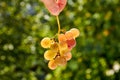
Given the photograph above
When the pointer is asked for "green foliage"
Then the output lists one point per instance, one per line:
(23, 23)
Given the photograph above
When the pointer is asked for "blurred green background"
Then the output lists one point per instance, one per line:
(23, 23)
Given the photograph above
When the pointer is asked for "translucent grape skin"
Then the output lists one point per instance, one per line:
(75, 32)
(52, 65)
(69, 35)
(61, 38)
(46, 42)
(50, 54)
(60, 60)
(71, 43)
(68, 56)
(54, 46)
(63, 46)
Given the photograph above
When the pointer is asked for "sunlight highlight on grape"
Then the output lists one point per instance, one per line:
(46, 42)
(62, 37)
(68, 56)
(60, 60)
(52, 65)
(49, 54)
(75, 32)
(69, 35)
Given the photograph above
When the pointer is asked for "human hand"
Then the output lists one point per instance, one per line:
(55, 6)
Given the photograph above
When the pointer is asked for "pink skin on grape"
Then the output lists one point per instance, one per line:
(54, 7)
(71, 43)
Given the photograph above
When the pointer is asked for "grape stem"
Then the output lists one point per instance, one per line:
(58, 22)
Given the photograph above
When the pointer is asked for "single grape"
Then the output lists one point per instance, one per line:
(46, 42)
(54, 46)
(68, 56)
(75, 32)
(52, 65)
(71, 43)
(62, 52)
(50, 54)
(60, 60)
(61, 38)
(63, 46)
(69, 35)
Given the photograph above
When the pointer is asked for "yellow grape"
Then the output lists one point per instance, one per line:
(54, 46)
(69, 35)
(68, 56)
(75, 32)
(50, 54)
(63, 46)
(61, 38)
(62, 52)
(52, 65)
(46, 42)
(60, 60)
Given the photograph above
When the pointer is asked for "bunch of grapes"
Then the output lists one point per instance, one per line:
(59, 51)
